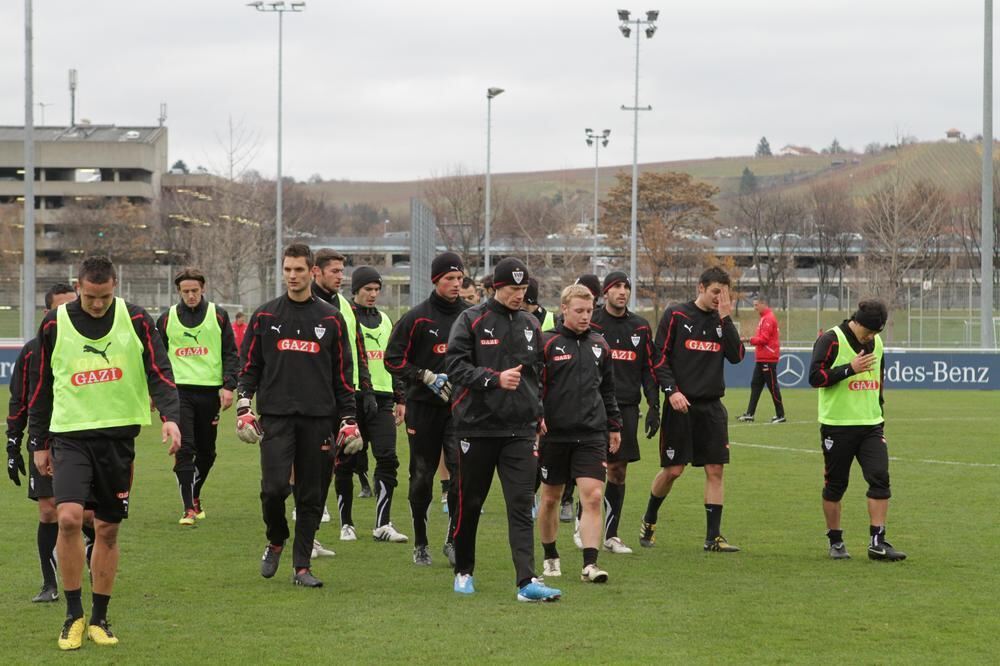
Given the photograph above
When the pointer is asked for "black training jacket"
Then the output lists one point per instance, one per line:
(633, 353)
(419, 341)
(20, 393)
(485, 340)
(578, 386)
(296, 358)
(692, 344)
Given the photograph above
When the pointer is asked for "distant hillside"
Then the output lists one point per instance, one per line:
(955, 166)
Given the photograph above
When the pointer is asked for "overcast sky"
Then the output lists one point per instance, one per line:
(380, 90)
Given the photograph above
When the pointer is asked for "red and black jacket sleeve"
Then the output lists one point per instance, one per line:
(159, 374)
(666, 336)
(611, 408)
(251, 356)
(20, 390)
(822, 372)
(343, 368)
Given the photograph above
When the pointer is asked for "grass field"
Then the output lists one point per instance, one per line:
(194, 595)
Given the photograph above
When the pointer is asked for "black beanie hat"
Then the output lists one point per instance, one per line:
(531, 296)
(614, 277)
(872, 314)
(590, 281)
(445, 263)
(510, 271)
(363, 275)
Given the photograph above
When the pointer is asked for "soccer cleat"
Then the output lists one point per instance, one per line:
(566, 514)
(647, 535)
(319, 551)
(885, 552)
(49, 592)
(838, 551)
(777, 419)
(591, 574)
(550, 567)
(269, 561)
(188, 518)
(366, 491)
(422, 556)
(463, 584)
(449, 552)
(616, 546)
(71, 636)
(324, 519)
(745, 418)
(305, 578)
(536, 590)
(577, 539)
(720, 545)
(388, 533)
(199, 510)
(347, 533)
(101, 634)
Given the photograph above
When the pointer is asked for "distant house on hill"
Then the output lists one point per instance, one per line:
(953, 135)
(796, 151)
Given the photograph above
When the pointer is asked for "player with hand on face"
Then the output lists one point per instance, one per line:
(582, 425)
(693, 341)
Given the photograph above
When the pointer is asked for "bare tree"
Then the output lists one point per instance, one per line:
(833, 216)
(967, 224)
(772, 222)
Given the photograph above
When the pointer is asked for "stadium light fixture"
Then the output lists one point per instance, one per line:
(596, 140)
(490, 94)
(278, 8)
(626, 29)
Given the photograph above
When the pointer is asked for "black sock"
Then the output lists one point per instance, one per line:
(713, 521)
(344, 488)
(877, 533)
(48, 533)
(74, 603)
(521, 583)
(88, 541)
(835, 536)
(383, 503)
(445, 486)
(589, 556)
(363, 479)
(419, 512)
(551, 552)
(185, 481)
(199, 480)
(99, 611)
(614, 498)
(653, 508)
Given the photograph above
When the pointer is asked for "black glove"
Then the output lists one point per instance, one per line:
(15, 461)
(652, 421)
(369, 406)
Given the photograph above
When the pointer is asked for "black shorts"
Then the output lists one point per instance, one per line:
(39, 485)
(629, 450)
(95, 473)
(561, 461)
(840, 446)
(699, 438)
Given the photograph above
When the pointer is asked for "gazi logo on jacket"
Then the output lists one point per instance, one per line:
(191, 351)
(291, 344)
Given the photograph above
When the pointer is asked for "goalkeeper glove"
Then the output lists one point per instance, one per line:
(247, 427)
(349, 439)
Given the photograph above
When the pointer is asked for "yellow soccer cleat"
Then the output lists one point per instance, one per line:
(71, 636)
(199, 509)
(187, 518)
(101, 634)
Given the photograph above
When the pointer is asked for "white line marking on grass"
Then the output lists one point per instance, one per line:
(936, 418)
(896, 458)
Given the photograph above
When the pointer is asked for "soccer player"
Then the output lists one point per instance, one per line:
(239, 329)
(379, 433)
(39, 485)
(416, 355)
(99, 362)
(633, 356)
(847, 369)
(767, 344)
(468, 291)
(203, 354)
(494, 360)
(546, 319)
(328, 276)
(692, 341)
(488, 290)
(582, 424)
(297, 360)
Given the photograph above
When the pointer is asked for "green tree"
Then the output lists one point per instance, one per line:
(763, 148)
(181, 166)
(748, 181)
(835, 147)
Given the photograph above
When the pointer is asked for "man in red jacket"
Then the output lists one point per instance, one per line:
(767, 345)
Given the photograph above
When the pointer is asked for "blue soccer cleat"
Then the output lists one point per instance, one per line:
(536, 590)
(463, 584)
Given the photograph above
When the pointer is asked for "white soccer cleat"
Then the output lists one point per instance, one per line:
(551, 568)
(591, 574)
(577, 539)
(388, 533)
(347, 533)
(326, 515)
(319, 551)
(616, 546)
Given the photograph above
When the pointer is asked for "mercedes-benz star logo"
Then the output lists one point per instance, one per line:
(791, 370)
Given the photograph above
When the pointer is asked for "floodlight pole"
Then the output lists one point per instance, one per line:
(28, 254)
(597, 140)
(626, 23)
(986, 220)
(490, 94)
(279, 8)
